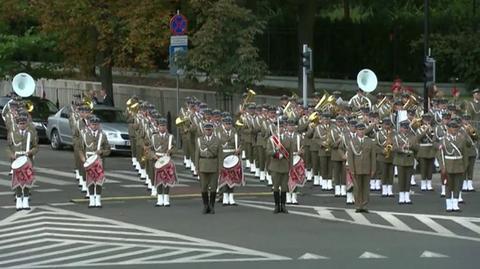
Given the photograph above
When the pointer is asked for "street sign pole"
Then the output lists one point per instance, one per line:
(304, 84)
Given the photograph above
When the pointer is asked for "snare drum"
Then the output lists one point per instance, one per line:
(296, 175)
(23, 175)
(94, 170)
(231, 173)
(165, 172)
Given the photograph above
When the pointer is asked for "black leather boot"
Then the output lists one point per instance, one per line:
(283, 199)
(213, 195)
(206, 207)
(276, 198)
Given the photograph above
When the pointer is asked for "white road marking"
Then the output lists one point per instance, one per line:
(371, 255)
(468, 224)
(28, 250)
(434, 225)
(357, 217)
(429, 254)
(310, 256)
(396, 222)
(47, 190)
(45, 223)
(428, 220)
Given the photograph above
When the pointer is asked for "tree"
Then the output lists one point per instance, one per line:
(103, 33)
(22, 47)
(223, 45)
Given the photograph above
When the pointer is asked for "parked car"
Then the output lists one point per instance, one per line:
(43, 108)
(113, 124)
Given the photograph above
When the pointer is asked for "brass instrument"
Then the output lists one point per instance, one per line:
(411, 102)
(416, 123)
(29, 106)
(181, 120)
(471, 131)
(250, 95)
(387, 150)
(326, 99)
(314, 118)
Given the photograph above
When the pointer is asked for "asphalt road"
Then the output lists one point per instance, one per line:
(129, 232)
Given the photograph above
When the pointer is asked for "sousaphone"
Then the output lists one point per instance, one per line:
(367, 80)
(23, 85)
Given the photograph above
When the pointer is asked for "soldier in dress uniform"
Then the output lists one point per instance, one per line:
(384, 139)
(297, 149)
(339, 156)
(373, 127)
(440, 131)
(324, 152)
(208, 160)
(404, 146)
(94, 141)
(229, 141)
(22, 142)
(78, 126)
(470, 132)
(303, 124)
(452, 148)
(313, 134)
(162, 144)
(279, 150)
(473, 108)
(426, 151)
(361, 161)
(359, 101)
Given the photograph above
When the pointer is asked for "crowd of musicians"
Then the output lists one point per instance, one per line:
(345, 147)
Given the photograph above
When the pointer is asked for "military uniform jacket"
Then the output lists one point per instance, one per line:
(381, 141)
(451, 154)
(207, 154)
(471, 150)
(440, 132)
(159, 145)
(425, 141)
(227, 140)
(338, 145)
(17, 142)
(314, 138)
(94, 141)
(473, 109)
(324, 141)
(404, 147)
(361, 155)
(357, 102)
(280, 165)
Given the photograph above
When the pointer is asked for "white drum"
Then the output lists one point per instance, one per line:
(162, 161)
(19, 162)
(296, 159)
(230, 161)
(90, 160)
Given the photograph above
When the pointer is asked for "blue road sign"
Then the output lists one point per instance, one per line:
(178, 24)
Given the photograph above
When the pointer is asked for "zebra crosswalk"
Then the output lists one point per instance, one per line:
(48, 237)
(467, 228)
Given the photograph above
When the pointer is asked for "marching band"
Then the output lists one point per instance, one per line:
(347, 148)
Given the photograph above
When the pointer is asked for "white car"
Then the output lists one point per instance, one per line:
(113, 124)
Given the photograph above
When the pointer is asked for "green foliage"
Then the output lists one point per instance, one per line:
(223, 45)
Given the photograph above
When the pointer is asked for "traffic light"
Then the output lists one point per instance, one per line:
(429, 69)
(307, 60)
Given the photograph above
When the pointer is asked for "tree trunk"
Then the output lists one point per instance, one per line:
(106, 77)
(306, 23)
(346, 10)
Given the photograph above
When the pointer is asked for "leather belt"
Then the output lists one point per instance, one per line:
(20, 152)
(161, 154)
(426, 144)
(228, 150)
(453, 157)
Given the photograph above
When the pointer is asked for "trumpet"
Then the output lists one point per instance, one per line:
(471, 131)
(387, 151)
(416, 122)
(250, 95)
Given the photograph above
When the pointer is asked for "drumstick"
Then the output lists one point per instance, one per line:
(170, 137)
(298, 143)
(236, 141)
